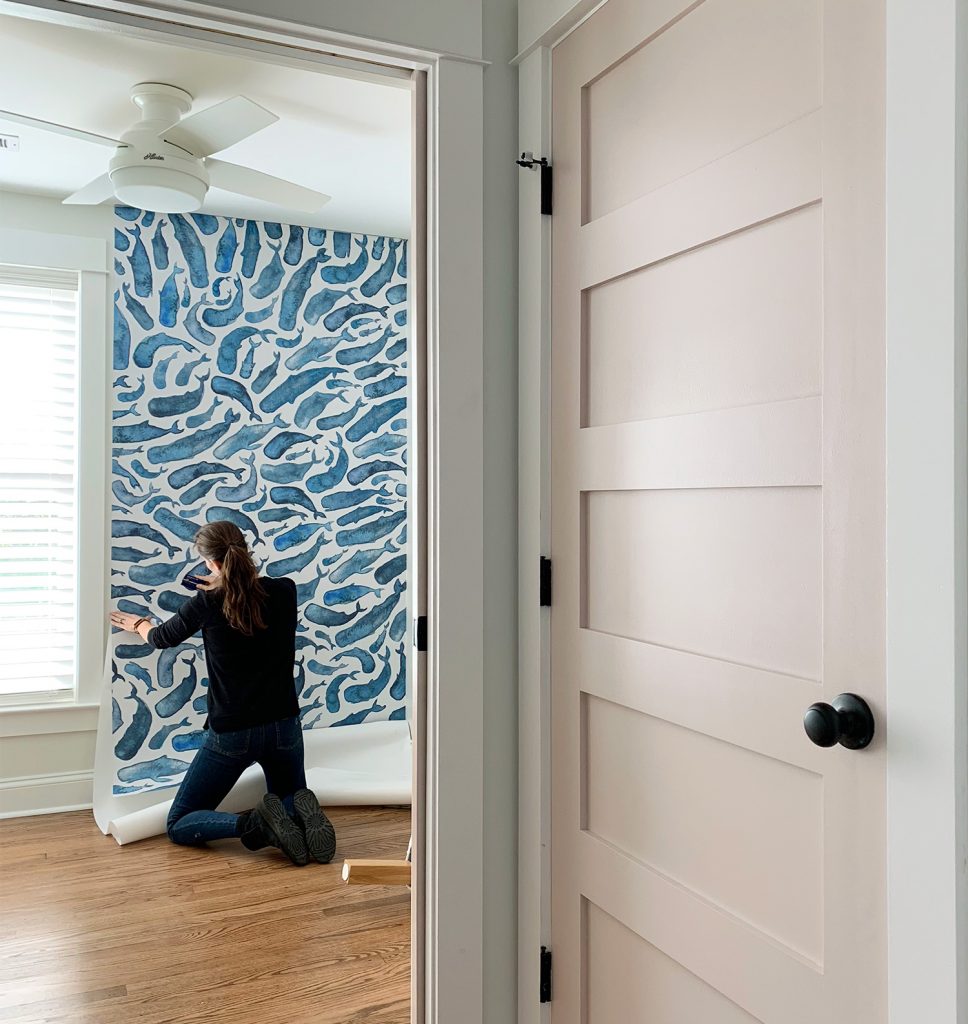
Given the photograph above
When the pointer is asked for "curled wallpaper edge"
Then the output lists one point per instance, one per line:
(103, 751)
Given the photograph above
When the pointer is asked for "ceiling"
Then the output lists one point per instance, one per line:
(345, 136)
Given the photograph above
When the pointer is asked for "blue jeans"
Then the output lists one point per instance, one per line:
(277, 747)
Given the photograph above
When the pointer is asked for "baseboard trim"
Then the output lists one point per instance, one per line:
(46, 794)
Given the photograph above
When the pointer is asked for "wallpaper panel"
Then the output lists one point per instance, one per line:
(260, 375)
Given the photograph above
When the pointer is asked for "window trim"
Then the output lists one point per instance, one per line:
(47, 719)
(87, 256)
(62, 281)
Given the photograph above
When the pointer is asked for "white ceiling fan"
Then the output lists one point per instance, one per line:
(164, 162)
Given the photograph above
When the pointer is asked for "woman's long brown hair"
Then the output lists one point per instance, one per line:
(243, 595)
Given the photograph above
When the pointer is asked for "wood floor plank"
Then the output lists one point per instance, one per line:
(94, 933)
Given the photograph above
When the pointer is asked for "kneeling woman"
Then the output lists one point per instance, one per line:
(248, 626)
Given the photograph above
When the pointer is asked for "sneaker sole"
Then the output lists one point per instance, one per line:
(318, 829)
(287, 832)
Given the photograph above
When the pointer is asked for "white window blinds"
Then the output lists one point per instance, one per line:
(38, 504)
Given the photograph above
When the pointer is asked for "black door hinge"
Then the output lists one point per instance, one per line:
(420, 633)
(528, 161)
(544, 990)
(544, 582)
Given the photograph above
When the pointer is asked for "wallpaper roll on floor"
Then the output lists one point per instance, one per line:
(260, 376)
(370, 764)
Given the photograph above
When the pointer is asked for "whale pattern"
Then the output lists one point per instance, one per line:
(271, 393)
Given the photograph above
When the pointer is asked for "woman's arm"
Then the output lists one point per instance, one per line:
(187, 621)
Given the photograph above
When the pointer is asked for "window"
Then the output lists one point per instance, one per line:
(38, 493)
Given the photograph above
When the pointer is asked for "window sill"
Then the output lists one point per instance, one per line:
(42, 719)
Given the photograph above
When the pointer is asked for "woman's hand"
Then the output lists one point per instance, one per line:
(132, 623)
(206, 581)
(125, 621)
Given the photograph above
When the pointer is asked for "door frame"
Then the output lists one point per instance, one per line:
(927, 512)
(447, 893)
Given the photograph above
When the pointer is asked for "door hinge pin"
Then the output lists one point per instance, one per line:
(544, 993)
(528, 162)
(544, 582)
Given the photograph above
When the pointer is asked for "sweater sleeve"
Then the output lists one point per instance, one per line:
(293, 609)
(187, 621)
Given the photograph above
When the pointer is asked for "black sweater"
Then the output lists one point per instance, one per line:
(250, 678)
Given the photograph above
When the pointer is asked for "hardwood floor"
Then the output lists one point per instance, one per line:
(95, 933)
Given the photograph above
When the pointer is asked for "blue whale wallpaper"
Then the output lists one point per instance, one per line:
(259, 375)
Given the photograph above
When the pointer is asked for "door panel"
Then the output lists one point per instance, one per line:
(622, 972)
(710, 203)
(704, 78)
(735, 322)
(717, 512)
(655, 791)
(728, 572)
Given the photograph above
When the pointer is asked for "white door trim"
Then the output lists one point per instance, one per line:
(534, 539)
(927, 538)
(927, 523)
(452, 911)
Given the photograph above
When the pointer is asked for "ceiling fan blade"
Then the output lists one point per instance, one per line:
(220, 126)
(93, 193)
(257, 185)
(59, 129)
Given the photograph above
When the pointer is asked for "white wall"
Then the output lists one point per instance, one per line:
(38, 213)
(47, 756)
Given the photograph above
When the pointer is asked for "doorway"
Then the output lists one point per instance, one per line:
(414, 486)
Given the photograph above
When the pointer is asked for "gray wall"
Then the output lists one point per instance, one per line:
(446, 26)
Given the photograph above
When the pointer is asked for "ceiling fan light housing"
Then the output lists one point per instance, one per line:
(158, 181)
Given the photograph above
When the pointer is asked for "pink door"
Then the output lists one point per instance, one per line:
(717, 513)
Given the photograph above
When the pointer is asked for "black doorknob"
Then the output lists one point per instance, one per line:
(847, 720)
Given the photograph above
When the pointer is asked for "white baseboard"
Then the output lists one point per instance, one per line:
(46, 794)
